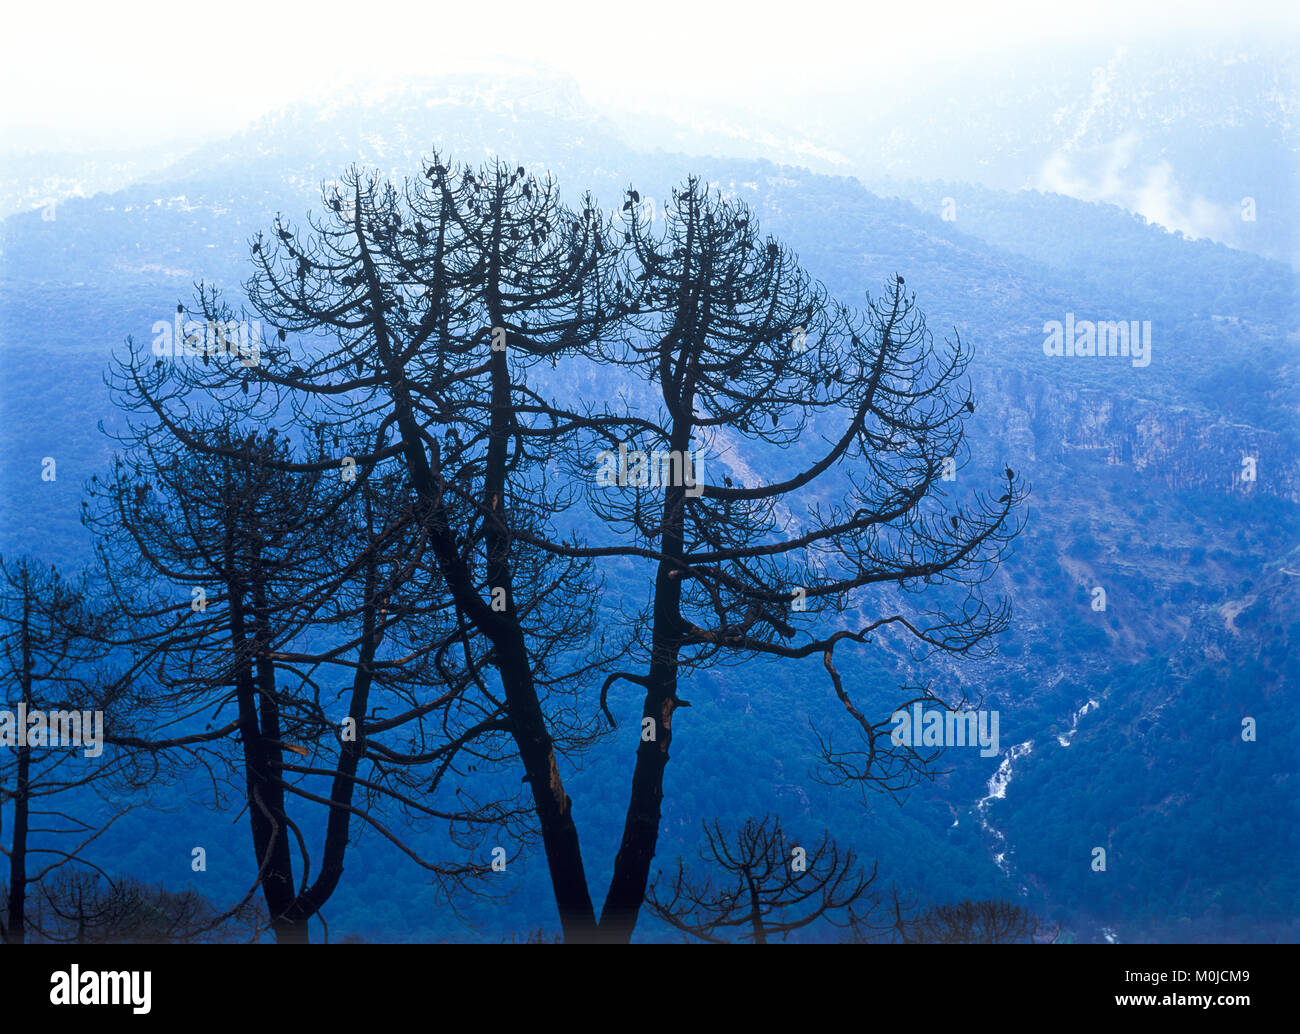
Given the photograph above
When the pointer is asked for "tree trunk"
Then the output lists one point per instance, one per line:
(528, 725)
(627, 888)
(16, 924)
(265, 800)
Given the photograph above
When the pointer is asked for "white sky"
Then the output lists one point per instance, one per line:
(136, 72)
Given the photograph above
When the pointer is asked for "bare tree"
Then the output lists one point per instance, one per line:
(61, 701)
(83, 907)
(752, 363)
(767, 885)
(417, 315)
(885, 921)
(975, 922)
(409, 322)
(902, 921)
(263, 600)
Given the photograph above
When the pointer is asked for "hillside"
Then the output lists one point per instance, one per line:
(1137, 481)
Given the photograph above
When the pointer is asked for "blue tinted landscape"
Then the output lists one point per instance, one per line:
(1145, 544)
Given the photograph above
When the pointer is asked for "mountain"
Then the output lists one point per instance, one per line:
(1138, 475)
(1182, 135)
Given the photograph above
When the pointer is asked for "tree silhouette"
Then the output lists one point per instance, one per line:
(975, 922)
(56, 665)
(889, 921)
(256, 595)
(768, 886)
(427, 332)
(902, 921)
(417, 316)
(83, 907)
(749, 357)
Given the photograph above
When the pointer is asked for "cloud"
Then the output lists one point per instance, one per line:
(1113, 173)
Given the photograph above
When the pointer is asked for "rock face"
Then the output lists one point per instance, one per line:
(1047, 420)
